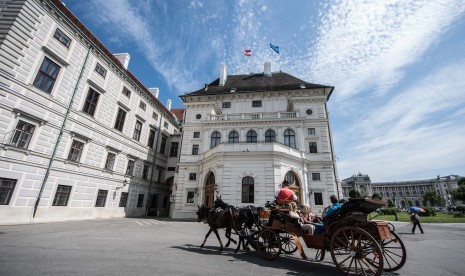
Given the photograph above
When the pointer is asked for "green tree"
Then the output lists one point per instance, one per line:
(461, 181)
(459, 193)
(390, 203)
(354, 194)
(376, 196)
(433, 198)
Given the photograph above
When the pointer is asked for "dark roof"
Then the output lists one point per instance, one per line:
(178, 112)
(255, 83)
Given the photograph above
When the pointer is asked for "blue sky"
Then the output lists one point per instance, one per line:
(398, 67)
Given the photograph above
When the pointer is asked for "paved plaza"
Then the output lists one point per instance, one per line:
(153, 246)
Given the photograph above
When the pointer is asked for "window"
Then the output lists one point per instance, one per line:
(174, 149)
(215, 139)
(109, 164)
(195, 149)
(64, 39)
(100, 70)
(171, 169)
(251, 136)
(142, 105)
(154, 203)
(22, 134)
(290, 177)
(311, 131)
(165, 125)
(256, 103)
(75, 151)
(270, 136)
(190, 197)
(226, 104)
(101, 198)
(120, 117)
(247, 189)
(312, 146)
(233, 137)
(318, 198)
(289, 138)
(145, 172)
(7, 187)
(62, 195)
(163, 145)
(315, 176)
(192, 176)
(198, 116)
(151, 138)
(309, 112)
(47, 75)
(155, 116)
(130, 167)
(123, 200)
(196, 134)
(140, 200)
(126, 92)
(137, 130)
(91, 102)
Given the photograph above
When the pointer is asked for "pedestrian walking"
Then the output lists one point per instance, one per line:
(415, 218)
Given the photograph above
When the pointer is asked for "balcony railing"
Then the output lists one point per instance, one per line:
(253, 116)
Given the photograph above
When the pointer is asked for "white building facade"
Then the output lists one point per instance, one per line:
(243, 134)
(80, 136)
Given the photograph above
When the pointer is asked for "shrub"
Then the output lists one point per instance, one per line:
(458, 215)
(430, 212)
(460, 209)
(387, 211)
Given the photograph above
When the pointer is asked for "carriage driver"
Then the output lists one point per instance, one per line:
(285, 193)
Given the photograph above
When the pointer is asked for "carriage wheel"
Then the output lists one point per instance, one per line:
(355, 252)
(394, 253)
(391, 227)
(287, 243)
(268, 244)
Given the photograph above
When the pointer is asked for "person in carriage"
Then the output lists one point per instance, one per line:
(306, 228)
(285, 194)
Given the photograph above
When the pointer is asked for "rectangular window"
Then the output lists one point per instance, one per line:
(120, 117)
(126, 92)
(22, 134)
(163, 145)
(226, 104)
(312, 146)
(192, 176)
(311, 131)
(171, 169)
(75, 151)
(196, 134)
(195, 149)
(111, 157)
(142, 105)
(91, 102)
(123, 200)
(64, 39)
(137, 130)
(190, 197)
(318, 198)
(47, 75)
(62, 195)
(174, 149)
(155, 116)
(140, 200)
(315, 176)
(151, 138)
(100, 70)
(165, 202)
(256, 103)
(130, 167)
(7, 187)
(145, 172)
(165, 125)
(101, 198)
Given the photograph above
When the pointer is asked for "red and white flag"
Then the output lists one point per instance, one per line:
(248, 53)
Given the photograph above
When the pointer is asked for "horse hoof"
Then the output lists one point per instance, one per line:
(201, 246)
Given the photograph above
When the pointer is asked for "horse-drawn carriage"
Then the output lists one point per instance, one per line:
(358, 246)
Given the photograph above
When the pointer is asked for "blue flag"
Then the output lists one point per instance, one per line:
(274, 47)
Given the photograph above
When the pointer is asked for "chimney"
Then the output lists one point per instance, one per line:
(123, 58)
(267, 71)
(155, 91)
(168, 104)
(223, 75)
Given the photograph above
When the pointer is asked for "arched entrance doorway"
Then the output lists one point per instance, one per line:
(209, 190)
(295, 186)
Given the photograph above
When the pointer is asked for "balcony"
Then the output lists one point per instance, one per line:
(253, 116)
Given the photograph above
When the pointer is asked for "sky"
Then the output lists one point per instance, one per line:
(398, 67)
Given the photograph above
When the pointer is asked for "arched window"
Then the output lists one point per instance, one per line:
(289, 138)
(247, 189)
(251, 136)
(270, 136)
(289, 177)
(215, 139)
(233, 137)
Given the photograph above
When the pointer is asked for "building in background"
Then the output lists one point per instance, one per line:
(80, 136)
(242, 135)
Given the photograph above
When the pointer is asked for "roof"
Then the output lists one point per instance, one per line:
(255, 83)
(178, 112)
(58, 4)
